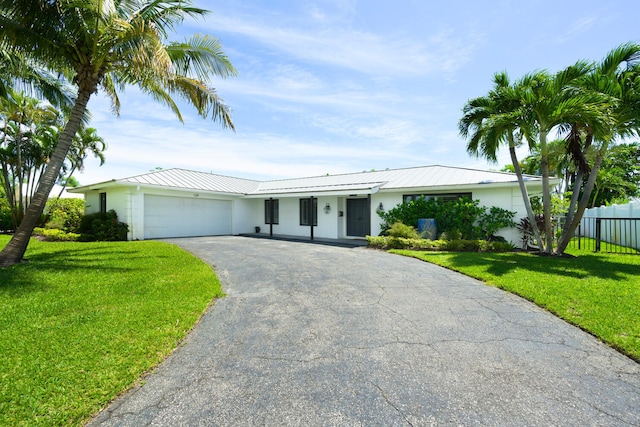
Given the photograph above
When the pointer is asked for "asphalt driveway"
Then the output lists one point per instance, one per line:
(313, 335)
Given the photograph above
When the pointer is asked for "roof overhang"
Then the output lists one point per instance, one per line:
(329, 190)
(139, 186)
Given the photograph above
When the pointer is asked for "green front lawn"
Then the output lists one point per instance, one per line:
(599, 293)
(81, 322)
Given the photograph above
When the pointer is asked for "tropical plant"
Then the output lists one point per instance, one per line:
(493, 120)
(495, 220)
(85, 141)
(463, 217)
(590, 104)
(616, 80)
(20, 74)
(556, 100)
(25, 147)
(107, 45)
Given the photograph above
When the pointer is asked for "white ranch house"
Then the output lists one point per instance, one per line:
(184, 203)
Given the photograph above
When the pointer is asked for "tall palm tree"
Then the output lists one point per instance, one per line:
(106, 45)
(20, 152)
(617, 80)
(86, 140)
(553, 101)
(495, 119)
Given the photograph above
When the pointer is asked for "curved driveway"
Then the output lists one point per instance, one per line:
(313, 335)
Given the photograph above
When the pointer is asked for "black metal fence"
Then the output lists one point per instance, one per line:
(615, 235)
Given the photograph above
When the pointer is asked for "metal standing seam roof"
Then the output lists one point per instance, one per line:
(182, 178)
(416, 177)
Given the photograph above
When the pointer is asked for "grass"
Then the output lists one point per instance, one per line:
(599, 293)
(81, 322)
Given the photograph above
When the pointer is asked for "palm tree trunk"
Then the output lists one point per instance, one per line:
(546, 192)
(17, 246)
(525, 194)
(582, 206)
(571, 212)
(64, 185)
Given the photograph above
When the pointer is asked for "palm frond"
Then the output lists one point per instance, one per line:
(200, 57)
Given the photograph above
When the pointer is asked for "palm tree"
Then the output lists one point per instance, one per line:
(21, 153)
(617, 80)
(556, 100)
(108, 44)
(492, 120)
(19, 74)
(86, 140)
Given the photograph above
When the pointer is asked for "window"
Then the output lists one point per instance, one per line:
(271, 211)
(304, 211)
(103, 203)
(446, 197)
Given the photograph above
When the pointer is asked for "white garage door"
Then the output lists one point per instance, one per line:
(184, 217)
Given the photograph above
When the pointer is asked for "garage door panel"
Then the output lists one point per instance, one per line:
(183, 217)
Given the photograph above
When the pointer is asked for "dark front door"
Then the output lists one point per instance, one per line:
(357, 217)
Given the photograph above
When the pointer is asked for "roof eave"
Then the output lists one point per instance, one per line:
(139, 186)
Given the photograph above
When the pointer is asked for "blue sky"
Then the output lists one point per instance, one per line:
(335, 86)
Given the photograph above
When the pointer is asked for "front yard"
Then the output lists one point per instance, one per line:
(81, 322)
(597, 292)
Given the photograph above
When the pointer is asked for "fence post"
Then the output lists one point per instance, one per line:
(579, 234)
(598, 233)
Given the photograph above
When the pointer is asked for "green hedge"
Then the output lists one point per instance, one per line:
(458, 245)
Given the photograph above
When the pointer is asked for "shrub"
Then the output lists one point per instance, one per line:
(399, 229)
(527, 231)
(494, 220)
(458, 245)
(449, 215)
(6, 223)
(451, 235)
(102, 227)
(465, 216)
(56, 235)
(64, 214)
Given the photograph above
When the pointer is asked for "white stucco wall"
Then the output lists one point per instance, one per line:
(247, 213)
(289, 218)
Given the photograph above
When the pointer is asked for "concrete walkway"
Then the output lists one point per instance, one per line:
(313, 335)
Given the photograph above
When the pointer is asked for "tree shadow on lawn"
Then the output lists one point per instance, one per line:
(581, 267)
(59, 257)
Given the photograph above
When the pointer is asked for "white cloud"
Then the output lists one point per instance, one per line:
(581, 26)
(375, 54)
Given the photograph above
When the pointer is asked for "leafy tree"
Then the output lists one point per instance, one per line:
(107, 45)
(619, 176)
